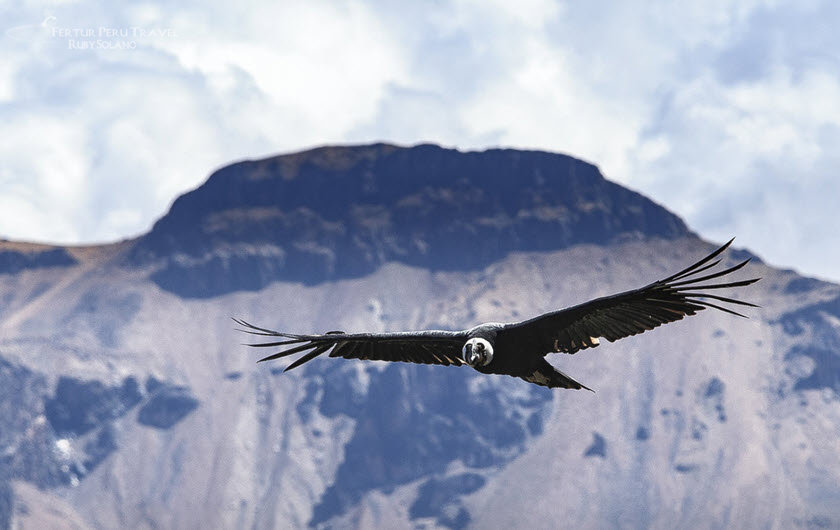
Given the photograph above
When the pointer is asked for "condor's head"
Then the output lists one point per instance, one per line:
(477, 352)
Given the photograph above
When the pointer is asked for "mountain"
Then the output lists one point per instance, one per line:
(343, 212)
(127, 399)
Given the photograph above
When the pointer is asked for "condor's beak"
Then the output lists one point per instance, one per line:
(470, 355)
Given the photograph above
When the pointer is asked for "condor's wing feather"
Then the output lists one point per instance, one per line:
(632, 312)
(424, 347)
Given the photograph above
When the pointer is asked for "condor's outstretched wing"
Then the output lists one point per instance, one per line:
(425, 347)
(629, 313)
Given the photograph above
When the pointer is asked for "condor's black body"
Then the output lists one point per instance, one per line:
(519, 349)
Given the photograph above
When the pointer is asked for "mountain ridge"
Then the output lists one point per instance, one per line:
(342, 211)
(124, 403)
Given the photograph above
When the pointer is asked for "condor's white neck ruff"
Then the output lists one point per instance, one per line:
(477, 352)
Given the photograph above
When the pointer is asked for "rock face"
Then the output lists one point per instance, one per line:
(126, 398)
(55, 439)
(14, 261)
(341, 212)
(419, 433)
(167, 406)
(79, 406)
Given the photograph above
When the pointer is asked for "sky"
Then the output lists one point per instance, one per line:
(725, 111)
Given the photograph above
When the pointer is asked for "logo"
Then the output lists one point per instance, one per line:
(88, 37)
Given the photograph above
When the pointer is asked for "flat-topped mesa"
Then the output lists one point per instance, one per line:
(342, 211)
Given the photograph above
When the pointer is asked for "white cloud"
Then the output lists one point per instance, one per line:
(757, 159)
(148, 123)
(726, 111)
(41, 180)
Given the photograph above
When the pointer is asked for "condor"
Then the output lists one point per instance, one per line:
(518, 349)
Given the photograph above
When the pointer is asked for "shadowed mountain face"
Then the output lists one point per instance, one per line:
(14, 261)
(127, 400)
(341, 212)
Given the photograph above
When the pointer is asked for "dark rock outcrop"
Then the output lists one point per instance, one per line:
(598, 447)
(167, 406)
(79, 406)
(13, 261)
(340, 212)
(21, 401)
(439, 498)
(54, 438)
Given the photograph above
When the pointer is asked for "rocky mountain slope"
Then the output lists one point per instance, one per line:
(126, 398)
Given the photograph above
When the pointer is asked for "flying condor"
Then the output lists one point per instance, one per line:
(519, 349)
